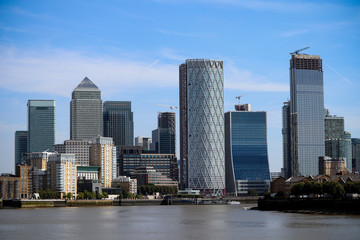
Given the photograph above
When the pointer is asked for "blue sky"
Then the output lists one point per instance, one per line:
(131, 50)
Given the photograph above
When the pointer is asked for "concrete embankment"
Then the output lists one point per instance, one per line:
(325, 206)
(24, 203)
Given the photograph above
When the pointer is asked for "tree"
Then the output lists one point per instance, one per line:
(68, 195)
(335, 189)
(80, 195)
(297, 189)
(106, 195)
(252, 192)
(97, 194)
(125, 194)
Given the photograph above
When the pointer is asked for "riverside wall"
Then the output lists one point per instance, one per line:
(314, 205)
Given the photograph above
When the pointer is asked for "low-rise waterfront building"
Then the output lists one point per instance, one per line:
(148, 175)
(103, 154)
(61, 173)
(330, 166)
(125, 182)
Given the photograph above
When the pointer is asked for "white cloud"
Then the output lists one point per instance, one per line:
(59, 72)
(244, 80)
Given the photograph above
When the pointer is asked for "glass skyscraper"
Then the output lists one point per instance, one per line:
(246, 154)
(86, 111)
(306, 127)
(41, 125)
(202, 146)
(164, 137)
(20, 145)
(119, 122)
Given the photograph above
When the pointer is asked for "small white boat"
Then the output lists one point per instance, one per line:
(233, 202)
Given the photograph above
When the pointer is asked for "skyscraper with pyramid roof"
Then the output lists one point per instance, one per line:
(86, 111)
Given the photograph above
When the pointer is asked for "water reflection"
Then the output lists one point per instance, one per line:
(172, 222)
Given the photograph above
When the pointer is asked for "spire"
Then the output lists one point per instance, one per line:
(86, 84)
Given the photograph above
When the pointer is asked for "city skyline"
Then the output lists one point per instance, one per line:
(133, 55)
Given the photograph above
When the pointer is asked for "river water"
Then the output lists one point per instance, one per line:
(173, 222)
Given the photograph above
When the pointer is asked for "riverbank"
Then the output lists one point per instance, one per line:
(311, 206)
(32, 203)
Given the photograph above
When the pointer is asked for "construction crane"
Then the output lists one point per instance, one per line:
(171, 107)
(238, 97)
(297, 51)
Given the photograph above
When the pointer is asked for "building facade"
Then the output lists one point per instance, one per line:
(148, 175)
(103, 154)
(38, 160)
(20, 146)
(246, 154)
(78, 147)
(133, 157)
(202, 128)
(334, 137)
(331, 166)
(41, 125)
(130, 184)
(306, 127)
(61, 173)
(355, 147)
(165, 135)
(144, 142)
(88, 172)
(86, 120)
(119, 122)
(286, 134)
(348, 152)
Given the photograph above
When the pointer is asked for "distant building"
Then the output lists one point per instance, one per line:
(274, 175)
(88, 172)
(246, 154)
(202, 148)
(334, 137)
(305, 122)
(148, 175)
(119, 122)
(133, 157)
(78, 147)
(331, 166)
(41, 125)
(38, 160)
(164, 137)
(355, 146)
(288, 168)
(90, 185)
(103, 154)
(20, 145)
(17, 186)
(144, 142)
(61, 171)
(125, 183)
(86, 120)
(348, 153)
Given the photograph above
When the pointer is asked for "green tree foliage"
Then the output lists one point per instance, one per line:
(106, 195)
(297, 189)
(352, 187)
(335, 189)
(81, 195)
(49, 194)
(68, 195)
(312, 187)
(150, 189)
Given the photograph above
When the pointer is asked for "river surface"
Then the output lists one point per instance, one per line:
(173, 222)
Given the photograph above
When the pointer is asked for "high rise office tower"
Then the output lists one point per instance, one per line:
(164, 137)
(119, 122)
(202, 149)
(355, 146)
(20, 146)
(143, 141)
(86, 111)
(347, 149)
(41, 125)
(334, 137)
(286, 140)
(306, 118)
(246, 155)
